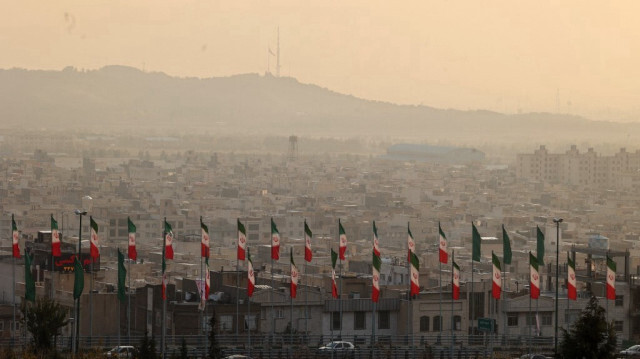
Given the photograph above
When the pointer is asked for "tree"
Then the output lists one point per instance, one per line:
(590, 337)
(147, 348)
(214, 348)
(44, 320)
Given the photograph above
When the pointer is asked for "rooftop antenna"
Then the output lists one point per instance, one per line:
(278, 55)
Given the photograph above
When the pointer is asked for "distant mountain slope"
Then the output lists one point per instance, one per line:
(117, 97)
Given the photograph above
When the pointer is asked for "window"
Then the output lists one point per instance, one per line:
(254, 227)
(617, 325)
(279, 313)
(384, 319)
(359, 320)
(226, 323)
(512, 320)
(619, 300)
(250, 322)
(531, 318)
(546, 319)
(478, 305)
(457, 322)
(335, 320)
(424, 323)
(437, 323)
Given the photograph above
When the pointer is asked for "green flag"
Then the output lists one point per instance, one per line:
(122, 275)
(506, 247)
(29, 283)
(540, 254)
(78, 283)
(477, 242)
(334, 258)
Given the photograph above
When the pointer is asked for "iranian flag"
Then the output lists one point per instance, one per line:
(207, 279)
(377, 262)
(334, 287)
(411, 244)
(168, 240)
(165, 279)
(242, 240)
(611, 279)
(444, 256)
(275, 241)
(456, 281)
(307, 242)
(251, 283)
(16, 238)
(497, 277)
(376, 243)
(204, 245)
(343, 240)
(55, 238)
(415, 274)
(572, 292)
(534, 280)
(295, 275)
(95, 251)
(133, 254)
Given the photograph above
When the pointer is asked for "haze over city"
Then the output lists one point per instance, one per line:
(186, 174)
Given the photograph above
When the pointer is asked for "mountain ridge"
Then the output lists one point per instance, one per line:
(117, 97)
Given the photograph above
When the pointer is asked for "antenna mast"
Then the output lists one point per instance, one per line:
(278, 55)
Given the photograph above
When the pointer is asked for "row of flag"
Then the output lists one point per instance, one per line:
(412, 258)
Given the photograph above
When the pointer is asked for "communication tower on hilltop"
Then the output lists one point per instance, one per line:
(293, 148)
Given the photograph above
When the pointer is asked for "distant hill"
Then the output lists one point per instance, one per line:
(119, 98)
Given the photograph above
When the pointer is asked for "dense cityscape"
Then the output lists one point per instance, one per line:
(414, 189)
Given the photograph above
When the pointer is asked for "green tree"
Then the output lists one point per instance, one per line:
(44, 320)
(147, 348)
(214, 347)
(590, 337)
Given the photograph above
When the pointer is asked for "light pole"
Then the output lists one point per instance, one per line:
(557, 221)
(79, 213)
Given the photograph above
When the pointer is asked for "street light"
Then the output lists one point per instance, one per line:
(557, 221)
(78, 213)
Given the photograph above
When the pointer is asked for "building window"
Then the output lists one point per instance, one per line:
(335, 320)
(384, 320)
(279, 313)
(250, 322)
(359, 320)
(546, 319)
(424, 323)
(531, 319)
(619, 300)
(457, 322)
(437, 323)
(226, 323)
(617, 325)
(512, 320)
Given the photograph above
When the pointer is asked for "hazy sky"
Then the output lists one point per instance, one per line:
(500, 55)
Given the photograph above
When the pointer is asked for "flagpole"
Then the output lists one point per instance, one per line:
(129, 300)
(306, 301)
(53, 258)
(453, 257)
(164, 301)
(91, 301)
(340, 293)
(119, 314)
(273, 314)
(440, 284)
(472, 304)
(249, 326)
(238, 295)
(409, 282)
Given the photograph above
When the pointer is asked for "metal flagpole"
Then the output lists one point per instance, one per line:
(164, 301)
(409, 283)
(129, 300)
(13, 326)
(238, 295)
(91, 303)
(119, 314)
(249, 326)
(440, 284)
(306, 301)
(453, 256)
(530, 321)
(340, 294)
(273, 314)
(472, 303)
